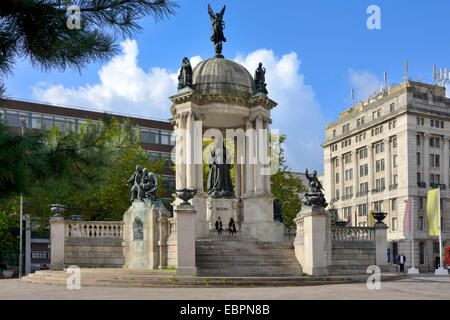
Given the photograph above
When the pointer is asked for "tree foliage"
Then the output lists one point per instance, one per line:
(285, 186)
(38, 30)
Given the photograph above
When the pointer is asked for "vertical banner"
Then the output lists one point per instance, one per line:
(433, 212)
(407, 218)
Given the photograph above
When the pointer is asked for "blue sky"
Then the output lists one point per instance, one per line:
(315, 52)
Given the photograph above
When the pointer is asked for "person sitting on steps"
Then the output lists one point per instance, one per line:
(231, 226)
(219, 226)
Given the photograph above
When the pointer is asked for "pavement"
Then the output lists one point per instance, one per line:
(421, 287)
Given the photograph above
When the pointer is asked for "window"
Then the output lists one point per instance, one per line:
(392, 107)
(435, 142)
(349, 191)
(418, 139)
(434, 160)
(394, 143)
(394, 224)
(420, 202)
(378, 206)
(363, 154)
(337, 163)
(360, 121)
(362, 209)
(394, 204)
(347, 212)
(337, 194)
(421, 253)
(395, 179)
(442, 124)
(418, 158)
(420, 222)
(379, 165)
(379, 183)
(435, 178)
(348, 174)
(348, 158)
(149, 135)
(337, 177)
(345, 127)
(418, 177)
(334, 133)
(364, 187)
(379, 147)
(363, 170)
(395, 164)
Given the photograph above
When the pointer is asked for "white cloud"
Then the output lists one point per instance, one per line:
(298, 114)
(124, 87)
(365, 83)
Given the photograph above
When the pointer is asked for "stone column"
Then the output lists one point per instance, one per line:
(237, 171)
(341, 176)
(314, 244)
(190, 151)
(387, 145)
(249, 153)
(198, 156)
(57, 238)
(426, 159)
(371, 174)
(267, 177)
(180, 153)
(445, 162)
(185, 239)
(332, 178)
(259, 177)
(355, 172)
(381, 244)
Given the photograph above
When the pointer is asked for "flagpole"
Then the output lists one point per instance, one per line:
(412, 270)
(440, 271)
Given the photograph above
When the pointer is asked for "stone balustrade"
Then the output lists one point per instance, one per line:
(344, 233)
(93, 229)
(172, 232)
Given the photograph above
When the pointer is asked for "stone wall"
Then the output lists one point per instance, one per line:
(93, 252)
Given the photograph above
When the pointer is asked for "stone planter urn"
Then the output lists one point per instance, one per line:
(8, 273)
(185, 195)
(379, 216)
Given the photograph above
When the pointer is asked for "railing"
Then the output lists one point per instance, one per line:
(93, 229)
(421, 184)
(362, 193)
(393, 186)
(437, 185)
(334, 200)
(347, 196)
(376, 190)
(172, 232)
(341, 233)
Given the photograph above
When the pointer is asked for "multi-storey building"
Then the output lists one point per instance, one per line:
(390, 147)
(156, 136)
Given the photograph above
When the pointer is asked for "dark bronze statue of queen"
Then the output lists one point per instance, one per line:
(220, 184)
(217, 26)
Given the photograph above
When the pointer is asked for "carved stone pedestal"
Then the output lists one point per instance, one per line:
(143, 231)
(223, 208)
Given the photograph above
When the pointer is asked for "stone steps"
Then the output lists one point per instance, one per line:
(242, 255)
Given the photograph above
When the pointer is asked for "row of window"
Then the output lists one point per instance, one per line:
(33, 120)
(433, 123)
(364, 186)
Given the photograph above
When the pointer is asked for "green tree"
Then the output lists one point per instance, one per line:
(285, 186)
(43, 31)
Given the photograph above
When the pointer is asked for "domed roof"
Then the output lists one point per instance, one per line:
(222, 76)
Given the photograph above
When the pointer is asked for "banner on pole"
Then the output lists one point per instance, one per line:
(433, 212)
(407, 218)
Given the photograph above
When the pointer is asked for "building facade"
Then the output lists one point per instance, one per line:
(156, 139)
(390, 147)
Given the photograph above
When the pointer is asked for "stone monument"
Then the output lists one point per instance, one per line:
(141, 230)
(225, 101)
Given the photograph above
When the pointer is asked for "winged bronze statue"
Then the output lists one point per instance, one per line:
(217, 25)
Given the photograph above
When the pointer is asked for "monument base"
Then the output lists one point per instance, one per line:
(141, 234)
(258, 219)
(413, 270)
(201, 223)
(223, 208)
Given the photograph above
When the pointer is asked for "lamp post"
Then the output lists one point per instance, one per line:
(24, 124)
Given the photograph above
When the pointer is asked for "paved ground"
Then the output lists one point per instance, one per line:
(423, 287)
